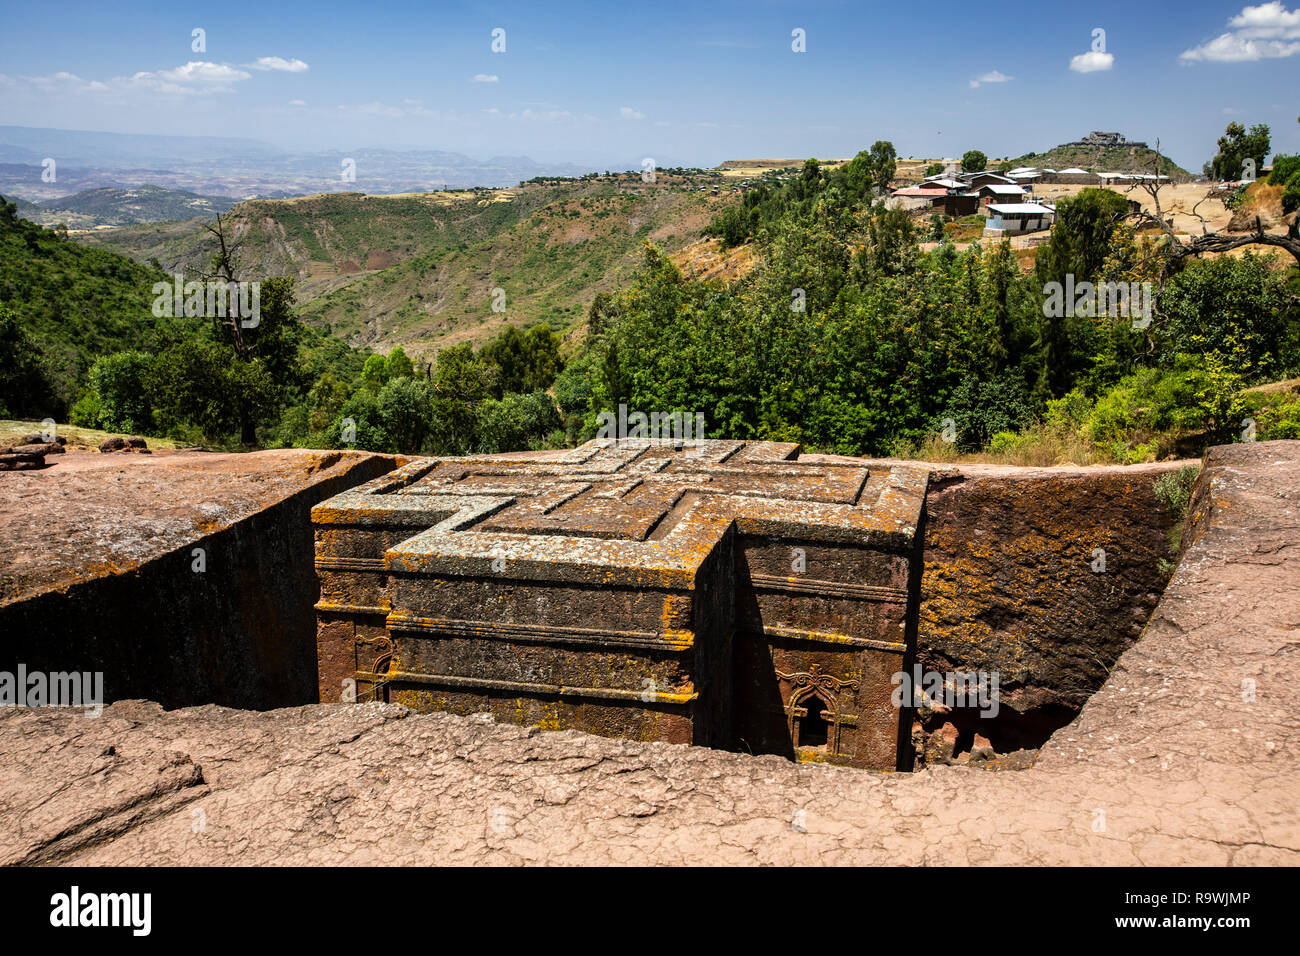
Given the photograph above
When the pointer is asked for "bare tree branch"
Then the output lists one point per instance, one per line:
(224, 264)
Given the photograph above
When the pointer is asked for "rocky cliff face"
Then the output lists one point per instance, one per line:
(1043, 577)
(186, 578)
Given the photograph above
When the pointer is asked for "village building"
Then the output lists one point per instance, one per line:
(949, 201)
(943, 182)
(1000, 192)
(1013, 219)
(976, 180)
(956, 204)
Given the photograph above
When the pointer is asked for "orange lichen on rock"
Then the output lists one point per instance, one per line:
(632, 587)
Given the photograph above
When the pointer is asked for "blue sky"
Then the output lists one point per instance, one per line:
(692, 83)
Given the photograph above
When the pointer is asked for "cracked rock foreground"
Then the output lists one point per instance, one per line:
(1187, 755)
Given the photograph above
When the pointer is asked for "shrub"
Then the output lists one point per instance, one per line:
(981, 409)
(516, 422)
(1284, 168)
(1005, 442)
(1154, 412)
(1276, 415)
(1291, 195)
(1174, 489)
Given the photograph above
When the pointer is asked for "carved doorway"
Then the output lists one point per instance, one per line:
(813, 710)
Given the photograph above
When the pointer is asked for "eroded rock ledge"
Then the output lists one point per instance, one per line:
(185, 577)
(1187, 754)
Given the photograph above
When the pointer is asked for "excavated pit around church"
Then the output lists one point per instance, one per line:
(1010, 587)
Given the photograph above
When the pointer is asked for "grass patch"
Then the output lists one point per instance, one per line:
(1174, 491)
(79, 439)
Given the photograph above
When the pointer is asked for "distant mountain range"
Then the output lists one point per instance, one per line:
(239, 168)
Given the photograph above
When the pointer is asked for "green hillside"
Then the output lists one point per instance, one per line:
(63, 305)
(1116, 159)
(329, 240)
(415, 268)
(550, 265)
(75, 303)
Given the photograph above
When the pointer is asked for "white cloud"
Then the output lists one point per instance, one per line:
(198, 77)
(297, 102)
(1267, 20)
(1265, 32)
(993, 76)
(628, 113)
(61, 82)
(200, 73)
(1092, 62)
(486, 78)
(278, 63)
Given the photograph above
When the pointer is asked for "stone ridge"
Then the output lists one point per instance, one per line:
(1176, 761)
(92, 516)
(187, 577)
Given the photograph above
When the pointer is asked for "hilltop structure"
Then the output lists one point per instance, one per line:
(1108, 140)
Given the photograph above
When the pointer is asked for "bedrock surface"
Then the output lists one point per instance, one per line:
(1187, 754)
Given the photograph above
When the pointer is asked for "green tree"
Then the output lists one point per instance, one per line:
(1237, 145)
(399, 364)
(980, 409)
(24, 389)
(526, 361)
(405, 408)
(462, 381)
(1284, 168)
(325, 401)
(123, 383)
(884, 164)
(1081, 235)
(974, 161)
(1291, 195)
(516, 422)
(196, 383)
(375, 373)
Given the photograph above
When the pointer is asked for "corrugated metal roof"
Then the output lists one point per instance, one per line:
(1018, 207)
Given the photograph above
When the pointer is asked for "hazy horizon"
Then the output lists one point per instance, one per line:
(681, 84)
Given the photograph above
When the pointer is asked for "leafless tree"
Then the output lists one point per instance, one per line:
(1177, 251)
(225, 263)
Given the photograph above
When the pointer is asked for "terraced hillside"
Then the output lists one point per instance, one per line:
(416, 269)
